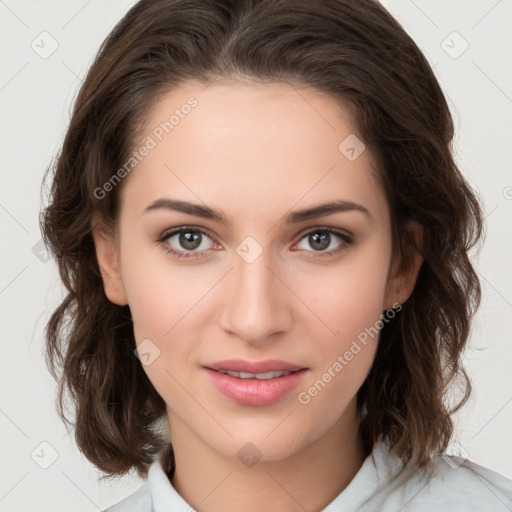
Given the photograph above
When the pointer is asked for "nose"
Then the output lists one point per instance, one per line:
(257, 302)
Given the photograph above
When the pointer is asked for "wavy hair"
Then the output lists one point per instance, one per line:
(356, 52)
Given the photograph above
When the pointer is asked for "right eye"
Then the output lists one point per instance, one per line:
(190, 239)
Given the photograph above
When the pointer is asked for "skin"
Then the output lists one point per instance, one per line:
(256, 152)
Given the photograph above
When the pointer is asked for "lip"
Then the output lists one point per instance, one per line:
(240, 365)
(255, 392)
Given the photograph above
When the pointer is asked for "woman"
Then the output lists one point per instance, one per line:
(265, 238)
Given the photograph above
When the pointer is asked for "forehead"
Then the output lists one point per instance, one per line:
(251, 145)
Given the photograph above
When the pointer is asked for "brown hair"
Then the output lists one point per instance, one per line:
(356, 52)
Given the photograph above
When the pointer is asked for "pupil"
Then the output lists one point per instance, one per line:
(320, 241)
(188, 239)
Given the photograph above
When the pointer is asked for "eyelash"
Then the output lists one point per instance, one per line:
(348, 240)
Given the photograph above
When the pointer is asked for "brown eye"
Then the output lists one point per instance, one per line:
(186, 242)
(322, 238)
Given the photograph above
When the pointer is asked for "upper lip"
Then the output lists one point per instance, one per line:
(268, 365)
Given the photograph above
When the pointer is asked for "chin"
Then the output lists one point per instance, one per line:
(258, 445)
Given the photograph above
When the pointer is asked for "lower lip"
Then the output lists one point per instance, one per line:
(255, 391)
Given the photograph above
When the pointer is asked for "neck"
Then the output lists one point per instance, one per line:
(306, 480)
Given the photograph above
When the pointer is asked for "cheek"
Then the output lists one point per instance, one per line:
(349, 302)
(350, 297)
(346, 354)
(161, 294)
(162, 311)
(165, 301)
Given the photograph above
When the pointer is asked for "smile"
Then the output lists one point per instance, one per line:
(260, 376)
(255, 389)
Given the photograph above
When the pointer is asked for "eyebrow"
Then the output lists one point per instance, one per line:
(295, 217)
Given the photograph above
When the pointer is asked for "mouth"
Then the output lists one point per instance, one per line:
(255, 388)
(259, 376)
(253, 367)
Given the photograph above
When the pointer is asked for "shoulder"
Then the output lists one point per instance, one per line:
(459, 484)
(139, 501)
(451, 483)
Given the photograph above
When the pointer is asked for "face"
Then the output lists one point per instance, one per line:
(256, 281)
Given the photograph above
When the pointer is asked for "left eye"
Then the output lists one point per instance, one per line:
(321, 238)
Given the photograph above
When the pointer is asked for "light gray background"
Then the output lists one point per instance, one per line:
(36, 94)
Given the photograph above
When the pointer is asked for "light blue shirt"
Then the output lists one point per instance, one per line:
(451, 485)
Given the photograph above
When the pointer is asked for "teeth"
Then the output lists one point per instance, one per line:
(260, 376)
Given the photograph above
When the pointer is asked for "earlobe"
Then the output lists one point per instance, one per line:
(108, 262)
(404, 273)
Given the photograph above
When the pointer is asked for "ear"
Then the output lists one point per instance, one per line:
(108, 262)
(405, 267)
